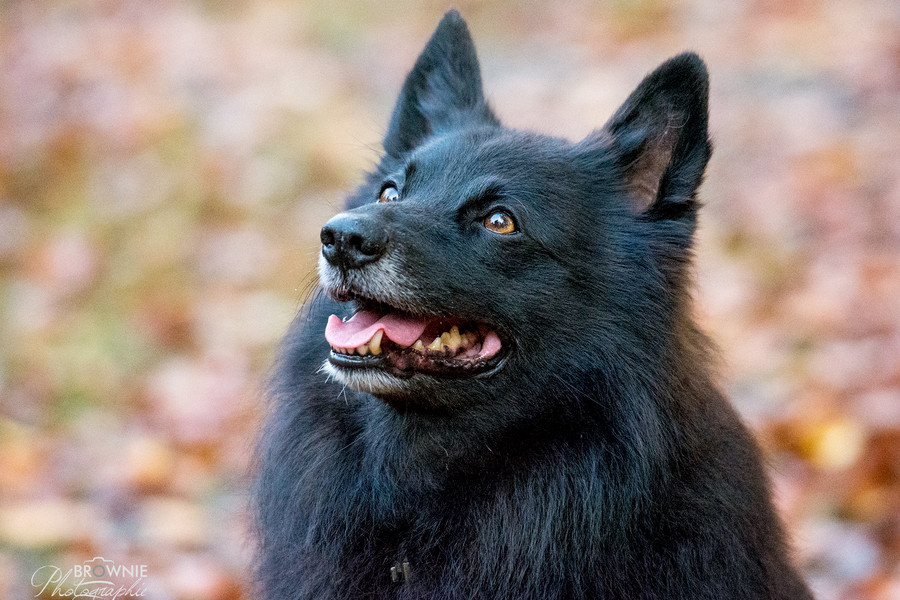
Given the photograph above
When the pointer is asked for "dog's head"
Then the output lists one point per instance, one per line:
(477, 260)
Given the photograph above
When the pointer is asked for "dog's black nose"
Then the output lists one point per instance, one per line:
(351, 241)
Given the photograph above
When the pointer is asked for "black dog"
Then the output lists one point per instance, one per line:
(516, 402)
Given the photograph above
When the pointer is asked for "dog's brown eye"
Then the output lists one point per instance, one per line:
(389, 194)
(500, 222)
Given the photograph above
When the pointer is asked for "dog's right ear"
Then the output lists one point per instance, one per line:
(660, 140)
(443, 90)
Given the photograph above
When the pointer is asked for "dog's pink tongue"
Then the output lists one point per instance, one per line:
(400, 329)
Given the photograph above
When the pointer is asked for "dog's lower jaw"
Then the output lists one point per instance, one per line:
(370, 381)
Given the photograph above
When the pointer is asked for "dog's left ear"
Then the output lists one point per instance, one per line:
(443, 90)
(659, 138)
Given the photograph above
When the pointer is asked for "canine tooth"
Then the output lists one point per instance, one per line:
(362, 350)
(419, 346)
(375, 342)
(455, 338)
(435, 345)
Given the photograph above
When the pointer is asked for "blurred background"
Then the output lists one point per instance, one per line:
(165, 168)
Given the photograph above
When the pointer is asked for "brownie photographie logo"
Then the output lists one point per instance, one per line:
(96, 578)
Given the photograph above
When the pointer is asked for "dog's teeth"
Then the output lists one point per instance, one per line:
(455, 338)
(435, 345)
(445, 341)
(375, 342)
(419, 346)
(362, 350)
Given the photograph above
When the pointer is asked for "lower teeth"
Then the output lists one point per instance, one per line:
(447, 345)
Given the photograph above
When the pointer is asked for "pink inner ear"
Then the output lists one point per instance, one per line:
(645, 174)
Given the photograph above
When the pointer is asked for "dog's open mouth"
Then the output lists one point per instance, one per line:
(403, 344)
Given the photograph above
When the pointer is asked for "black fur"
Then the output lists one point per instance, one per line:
(599, 460)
